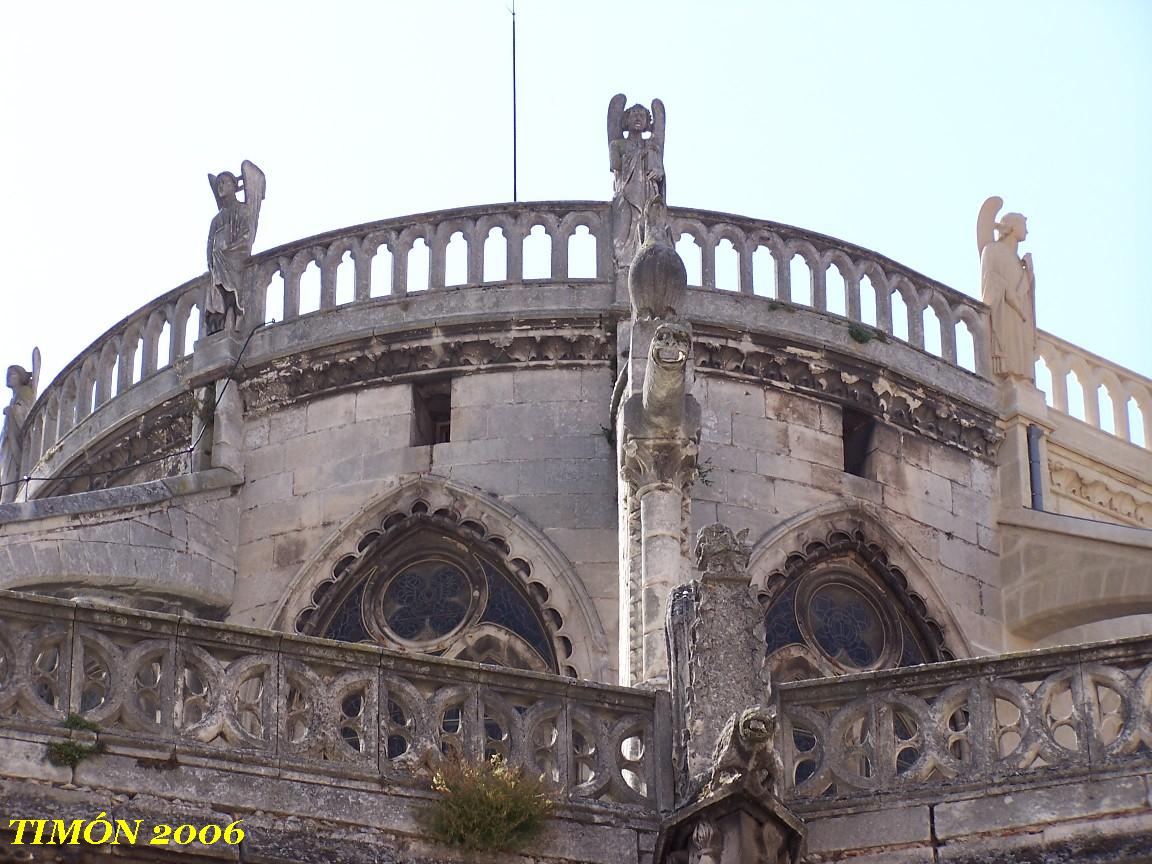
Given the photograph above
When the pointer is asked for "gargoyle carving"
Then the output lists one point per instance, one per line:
(721, 552)
(744, 753)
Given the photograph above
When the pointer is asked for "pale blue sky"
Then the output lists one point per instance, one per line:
(882, 123)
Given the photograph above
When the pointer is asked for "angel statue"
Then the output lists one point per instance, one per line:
(230, 243)
(638, 166)
(23, 385)
(1008, 286)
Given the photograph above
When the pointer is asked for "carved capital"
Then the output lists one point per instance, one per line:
(659, 463)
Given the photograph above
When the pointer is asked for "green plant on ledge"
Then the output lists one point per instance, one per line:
(69, 754)
(486, 806)
(864, 335)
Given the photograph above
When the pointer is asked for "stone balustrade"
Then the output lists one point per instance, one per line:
(181, 688)
(827, 262)
(968, 723)
(1091, 373)
(518, 244)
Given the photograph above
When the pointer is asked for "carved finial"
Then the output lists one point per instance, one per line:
(1008, 286)
(722, 554)
(230, 239)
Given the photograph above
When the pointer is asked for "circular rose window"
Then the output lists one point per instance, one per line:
(427, 601)
(846, 625)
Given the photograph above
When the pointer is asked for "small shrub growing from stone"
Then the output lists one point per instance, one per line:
(486, 806)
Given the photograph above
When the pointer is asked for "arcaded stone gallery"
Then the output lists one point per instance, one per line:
(793, 565)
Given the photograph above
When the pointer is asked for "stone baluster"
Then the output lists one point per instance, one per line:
(1090, 386)
(852, 289)
(915, 318)
(947, 318)
(362, 262)
(819, 275)
(400, 250)
(105, 367)
(558, 260)
(150, 349)
(291, 274)
(783, 262)
(1120, 412)
(126, 368)
(51, 421)
(437, 241)
(883, 303)
(179, 321)
(515, 261)
(707, 242)
(476, 241)
(329, 262)
(745, 250)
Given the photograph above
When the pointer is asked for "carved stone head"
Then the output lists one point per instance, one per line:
(671, 344)
(18, 376)
(722, 553)
(637, 120)
(226, 185)
(1013, 225)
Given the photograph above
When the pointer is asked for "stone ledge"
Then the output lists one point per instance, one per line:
(120, 497)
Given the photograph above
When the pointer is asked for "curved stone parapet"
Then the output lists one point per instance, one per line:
(140, 369)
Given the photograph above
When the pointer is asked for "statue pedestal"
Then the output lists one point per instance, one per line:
(733, 825)
(1023, 469)
(214, 356)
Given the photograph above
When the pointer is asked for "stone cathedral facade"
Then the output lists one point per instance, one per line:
(757, 545)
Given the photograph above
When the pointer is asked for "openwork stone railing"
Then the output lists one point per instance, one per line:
(514, 244)
(841, 278)
(307, 705)
(1091, 373)
(968, 723)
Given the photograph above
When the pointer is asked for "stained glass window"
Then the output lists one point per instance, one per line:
(449, 601)
(846, 625)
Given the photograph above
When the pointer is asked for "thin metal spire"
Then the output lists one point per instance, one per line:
(515, 196)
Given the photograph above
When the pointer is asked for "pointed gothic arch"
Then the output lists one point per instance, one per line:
(486, 556)
(843, 592)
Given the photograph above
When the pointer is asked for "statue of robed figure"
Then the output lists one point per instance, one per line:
(230, 240)
(23, 384)
(637, 165)
(1008, 287)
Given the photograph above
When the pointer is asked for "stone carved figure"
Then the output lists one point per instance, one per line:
(1007, 285)
(744, 753)
(637, 165)
(657, 280)
(721, 552)
(662, 427)
(230, 240)
(23, 384)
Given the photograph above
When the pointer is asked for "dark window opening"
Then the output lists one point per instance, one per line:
(858, 428)
(432, 413)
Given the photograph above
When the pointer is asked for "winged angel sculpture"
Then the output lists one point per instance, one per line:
(637, 163)
(23, 385)
(1008, 286)
(230, 242)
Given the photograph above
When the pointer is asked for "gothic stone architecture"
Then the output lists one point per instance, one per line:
(757, 545)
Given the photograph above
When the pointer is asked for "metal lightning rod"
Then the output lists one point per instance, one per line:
(514, 190)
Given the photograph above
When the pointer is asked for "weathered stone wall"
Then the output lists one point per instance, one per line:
(769, 456)
(532, 438)
(168, 544)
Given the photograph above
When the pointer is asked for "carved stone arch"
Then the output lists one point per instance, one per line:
(856, 534)
(577, 634)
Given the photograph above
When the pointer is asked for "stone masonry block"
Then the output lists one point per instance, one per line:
(330, 411)
(386, 401)
(1037, 807)
(893, 826)
(757, 433)
(813, 446)
(546, 385)
(486, 388)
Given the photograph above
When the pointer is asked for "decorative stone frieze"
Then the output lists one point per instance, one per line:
(1075, 482)
(829, 375)
(575, 342)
